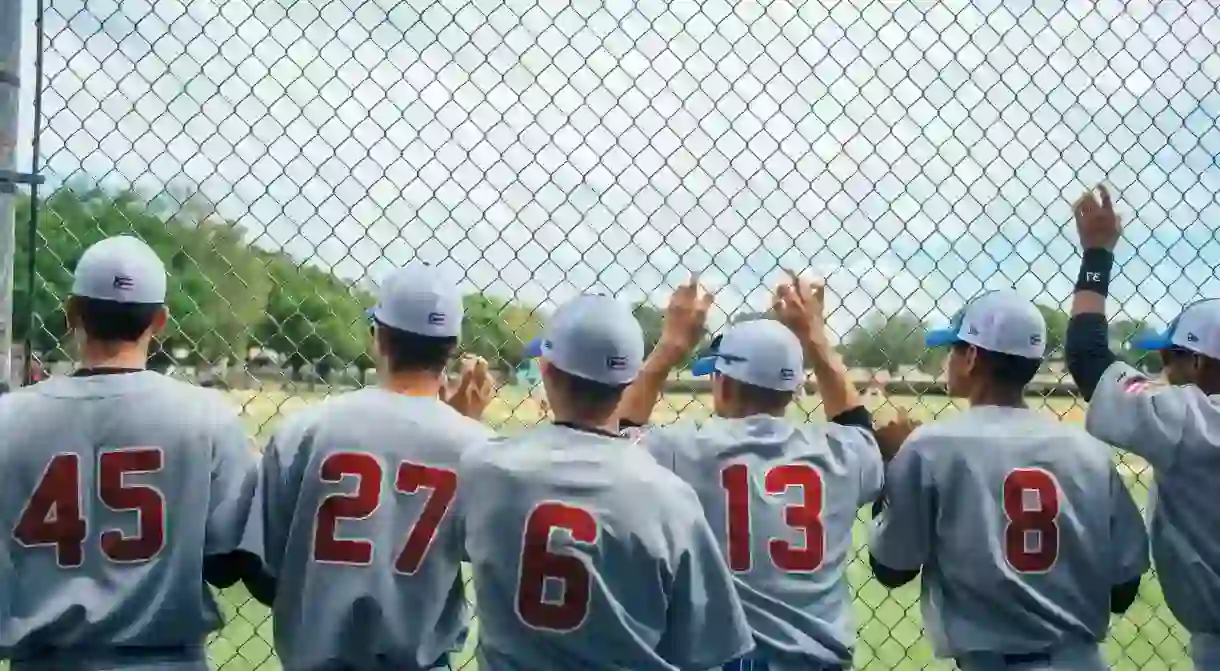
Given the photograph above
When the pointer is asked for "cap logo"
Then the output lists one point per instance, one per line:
(1190, 337)
(124, 283)
(436, 318)
(787, 374)
(973, 330)
(1035, 339)
(616, 362)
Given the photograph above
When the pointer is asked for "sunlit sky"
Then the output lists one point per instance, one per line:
(913, 154)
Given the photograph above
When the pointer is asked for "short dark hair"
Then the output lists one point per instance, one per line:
(1008, 370)
(112, 321)
(759, 398)
(586, 394)
(407, 352)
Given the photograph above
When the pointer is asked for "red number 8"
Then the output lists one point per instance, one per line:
(538, 563)
(1022, 520)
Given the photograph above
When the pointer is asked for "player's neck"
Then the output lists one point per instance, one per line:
(412, 383)
(1003, 398)
(608, 426)
(131, 356)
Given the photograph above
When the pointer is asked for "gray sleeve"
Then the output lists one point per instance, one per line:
(862, 444)
(1138, 415)
(233, 482)
(279, 487)
(1128, 537)
(660, 444)
(706, 625)
(902, 535)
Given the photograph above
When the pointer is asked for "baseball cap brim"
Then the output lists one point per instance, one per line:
(941, 337)
(1153, 341)
(704, 366)
(533, 349)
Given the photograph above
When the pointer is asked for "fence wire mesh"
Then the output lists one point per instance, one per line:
(281, 155)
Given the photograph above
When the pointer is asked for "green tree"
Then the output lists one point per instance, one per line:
(1056, 330)
(311, 316)
(883, 342)
(206, 256)
(498, 330)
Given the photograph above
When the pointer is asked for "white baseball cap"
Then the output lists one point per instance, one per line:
(997, 321)
(1196, 329)
(417, 299)
(762, 352)
(593, 337)
(122, 269)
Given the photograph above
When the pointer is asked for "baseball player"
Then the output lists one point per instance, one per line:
(1025, 533)
(781, 496)
(1174, 426)
(586, 553)
(122, 488)
(356, 496)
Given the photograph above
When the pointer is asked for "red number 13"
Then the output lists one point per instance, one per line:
(805, 517)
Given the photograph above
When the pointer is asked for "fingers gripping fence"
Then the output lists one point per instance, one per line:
(281, 155)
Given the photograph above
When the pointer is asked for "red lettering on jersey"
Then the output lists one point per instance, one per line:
(805, 517)
(539, 565)
(365, 501)
(1040, 519)
(52, 515)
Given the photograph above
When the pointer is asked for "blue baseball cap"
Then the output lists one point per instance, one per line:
(593, 337)
(762, 352)
(997, 321)
(1197, 329)
(418, 299)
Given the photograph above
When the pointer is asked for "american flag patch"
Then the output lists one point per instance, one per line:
(1138, 385)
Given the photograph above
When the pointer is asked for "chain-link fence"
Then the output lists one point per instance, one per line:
(281, 155)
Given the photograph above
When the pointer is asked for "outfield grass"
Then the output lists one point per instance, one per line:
(889, 622)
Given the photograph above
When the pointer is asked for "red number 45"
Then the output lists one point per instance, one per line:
(52, 515)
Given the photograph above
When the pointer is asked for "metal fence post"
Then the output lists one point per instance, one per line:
(10, 96)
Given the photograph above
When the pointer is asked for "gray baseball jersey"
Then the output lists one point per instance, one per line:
(588, 555)
(782, 500)
(1021, 525)
(116, 488)
(1177, 429)
(356, 496)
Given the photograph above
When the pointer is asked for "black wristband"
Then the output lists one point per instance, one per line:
(1095, 270)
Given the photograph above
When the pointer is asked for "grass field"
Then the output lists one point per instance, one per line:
(889, 622)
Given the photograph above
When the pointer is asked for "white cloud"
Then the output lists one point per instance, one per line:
(916, 153)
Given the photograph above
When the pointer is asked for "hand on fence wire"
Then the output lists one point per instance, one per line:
(800, 304)
(475, 388)
(686, 316)
(892, 435)
(1098, 226)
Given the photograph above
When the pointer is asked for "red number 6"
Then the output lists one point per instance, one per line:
(1035, 520)
(538, 564)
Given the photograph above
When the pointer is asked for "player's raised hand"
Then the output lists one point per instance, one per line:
(894, 433)
(686, 316)
(475, 388)
(800, 304)
(1098, 226)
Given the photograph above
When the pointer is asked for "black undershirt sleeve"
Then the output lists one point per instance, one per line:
(1087, 350)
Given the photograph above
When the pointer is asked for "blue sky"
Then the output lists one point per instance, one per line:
(913, 153)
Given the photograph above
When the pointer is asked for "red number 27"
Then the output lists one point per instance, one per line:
(52, 515)
(329, 548)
